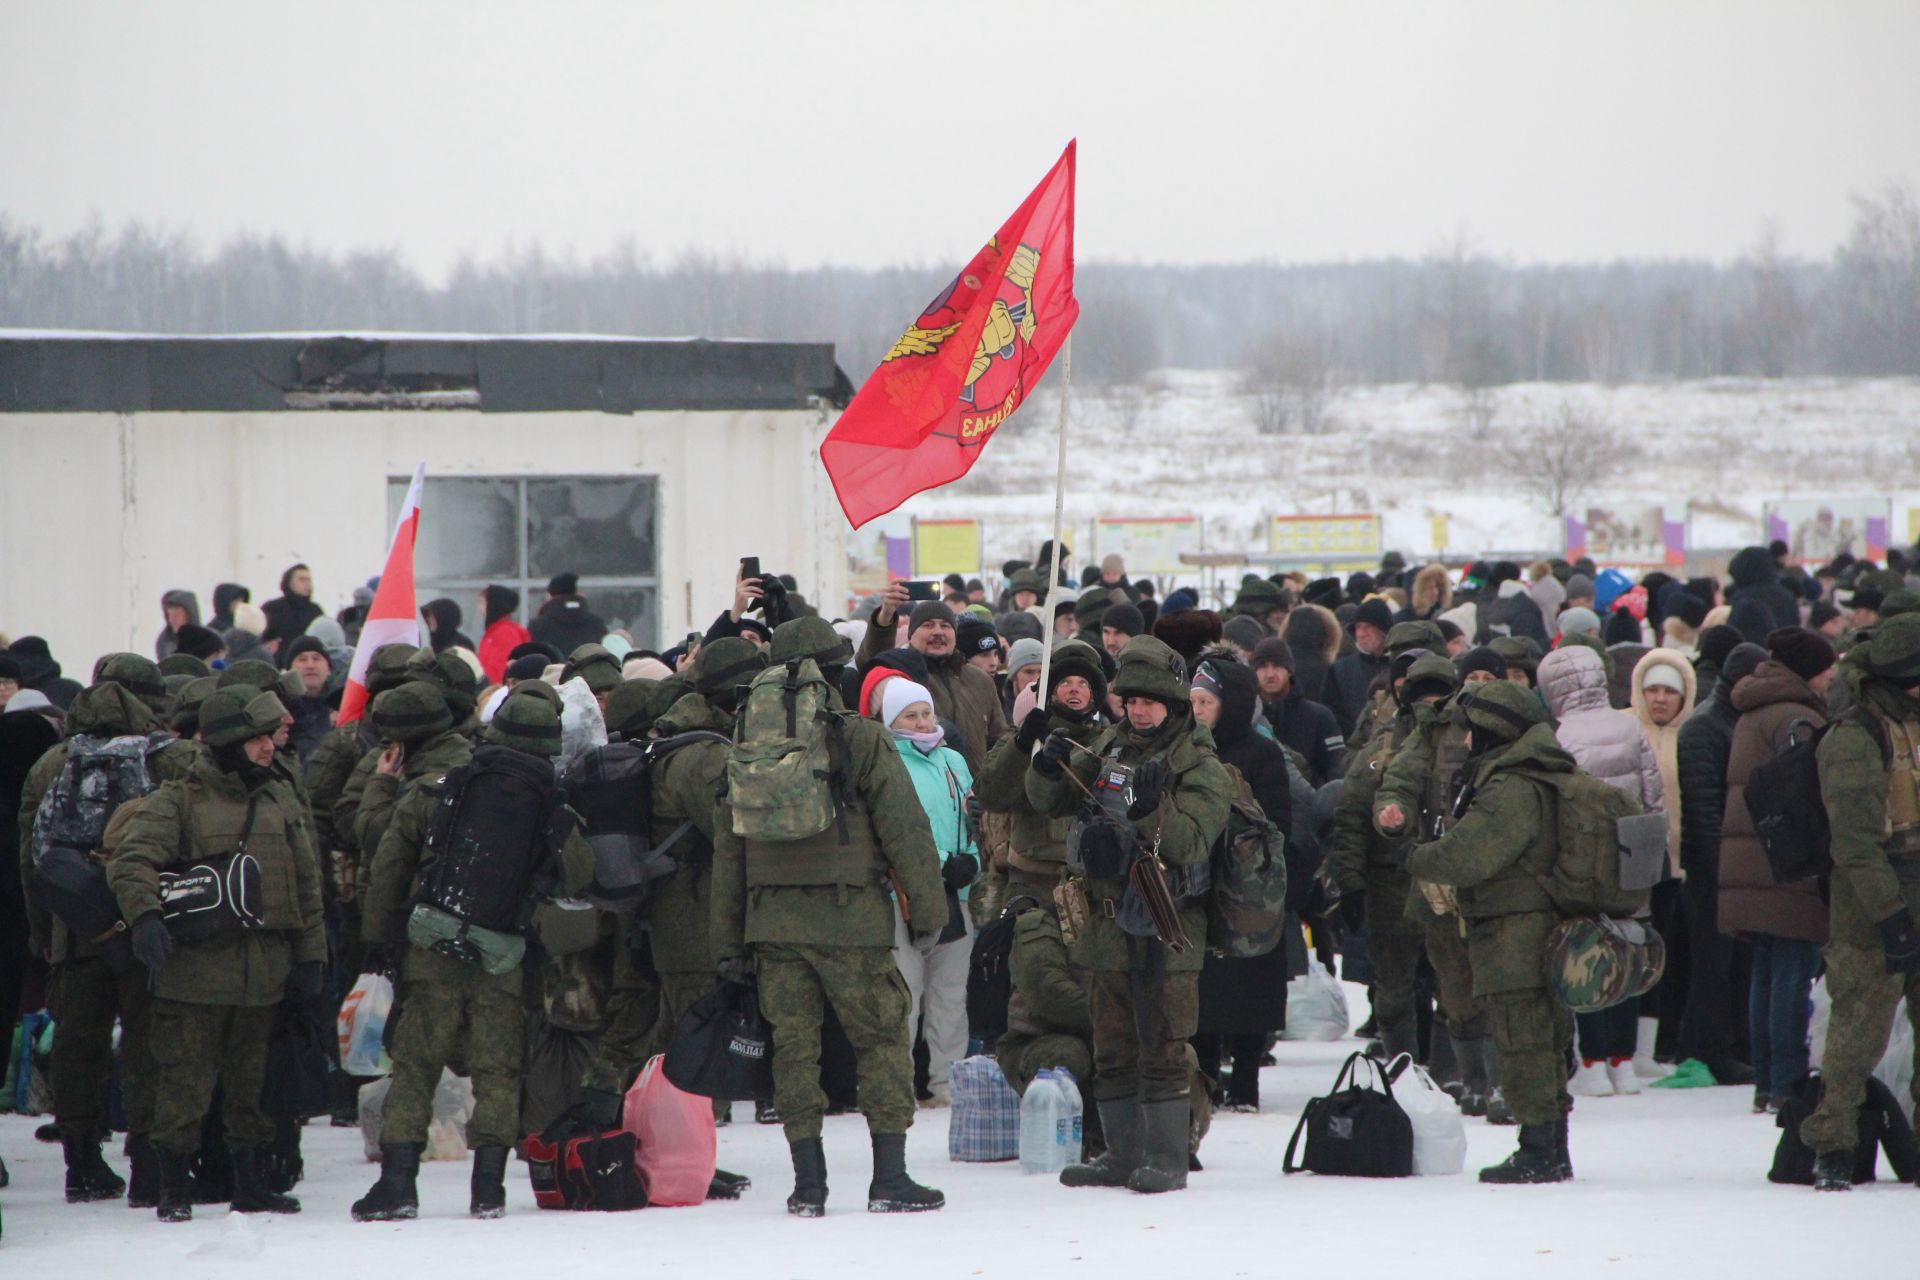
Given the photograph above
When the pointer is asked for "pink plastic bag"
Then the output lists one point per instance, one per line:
(676, 1139)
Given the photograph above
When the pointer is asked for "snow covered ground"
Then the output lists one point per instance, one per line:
(1669, 1183)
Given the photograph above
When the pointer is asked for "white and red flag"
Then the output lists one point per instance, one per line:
(393, 617)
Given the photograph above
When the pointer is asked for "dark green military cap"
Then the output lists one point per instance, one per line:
(1501, 709)
(810, 638)
(184, 664)
(451, 674)
(137, 675)
(387, 669)
(1894, 652)
(1149, 668)
(595, 664)
(414, 712)
(525, 722)
(187, 701)
(1429, 675)
(726, 663)
(251, 672)
(1403, 636)
(238, 713)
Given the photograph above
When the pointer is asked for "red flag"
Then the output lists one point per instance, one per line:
(391, 618)
(965, 364)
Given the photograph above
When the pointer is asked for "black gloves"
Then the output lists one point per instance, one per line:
(374, 959)
(959, 871)
(1032, 729)
(152, 944)
(1896, 935)
(1150, 785)
(1053, 757)
(308, 980)
(737, 969)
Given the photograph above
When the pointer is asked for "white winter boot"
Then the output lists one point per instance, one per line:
(1590, 1080)
(1644, 1064)
(1622, 1077)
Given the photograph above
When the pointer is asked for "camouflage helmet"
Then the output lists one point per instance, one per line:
(1402, 636)
(538, 689)
(450, 673)
(627, 711)
(1894, 652)
(184, 664)
(1519, 651)
(1149, 668)
(414, 712)
(1092, 605)
(137, 675)
(1594, 963)
(1429, 676)
(253, 673)
(810, 638)
(1027, 580)
(238, 713)
(595, 664)
(1501, 709)
(724, 664)
(185, 715)
(292, 688)
(525, 722)
(1905, 600)
(387, 669)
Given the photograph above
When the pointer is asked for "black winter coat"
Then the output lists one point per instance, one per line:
(566, 624)
(1706, 743)
(1307, 727)
(1348, 681)
(1754, 574)
(287, 618)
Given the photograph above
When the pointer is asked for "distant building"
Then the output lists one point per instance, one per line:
(134, 464)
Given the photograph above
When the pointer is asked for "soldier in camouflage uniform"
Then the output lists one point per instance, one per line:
(214, 1000)
(1493, 859)
(447, 672)
(1145, 997)
(1423, 781)
(1076, 702)
(1870, 779)
(85, 992)
(1383, 707)
(814, 919)
(450, 1010)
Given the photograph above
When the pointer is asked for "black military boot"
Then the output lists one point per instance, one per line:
(1163, 1147)
(393, 1197)
(809, 1198)
(88, 1177)
(1473, 1076)
(143, 1173)
(176, 1186)
(727, 1186)
(1833, 1171)
(1120, 1123)
(892, 1191)
(487, 1192)
(251, 1194)
(1539, 1158)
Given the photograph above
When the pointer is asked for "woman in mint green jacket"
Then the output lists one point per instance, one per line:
(936, 969)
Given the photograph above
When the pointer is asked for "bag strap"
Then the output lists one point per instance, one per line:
(1306, 1113)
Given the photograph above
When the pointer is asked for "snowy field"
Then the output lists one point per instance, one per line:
(1668, 1183)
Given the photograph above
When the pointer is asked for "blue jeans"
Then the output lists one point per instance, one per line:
(1778, 1009)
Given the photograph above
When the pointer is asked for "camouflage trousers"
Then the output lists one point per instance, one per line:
(1865, 996)
(1395, 942)
(84, 997)
(195, 1045)
(1532, 1034)
(870, 997)
(635, 1029)
(1466, 1013)
(1141, 1025)
(448, 1014)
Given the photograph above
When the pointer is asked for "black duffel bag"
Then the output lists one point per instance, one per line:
(212, 897)
(723, 1048)
(1355, 1131)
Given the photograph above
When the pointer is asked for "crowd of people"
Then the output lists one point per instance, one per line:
(849, 804)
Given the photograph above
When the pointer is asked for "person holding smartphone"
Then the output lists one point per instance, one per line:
(963, 695)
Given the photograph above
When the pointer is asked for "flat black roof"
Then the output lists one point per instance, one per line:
(494, 373)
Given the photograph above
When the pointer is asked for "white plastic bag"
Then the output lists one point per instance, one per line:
(363, 1023)
(1896, 1064)
(1316, 1006)
(581, 724)
(1439, 1134)
(446, 1132)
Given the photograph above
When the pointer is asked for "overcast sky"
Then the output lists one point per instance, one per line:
(860, 133)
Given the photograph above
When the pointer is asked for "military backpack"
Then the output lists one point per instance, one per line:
(1608, 852)
(610, 790)
(69, 827)
(1247, 910)
(783, 778)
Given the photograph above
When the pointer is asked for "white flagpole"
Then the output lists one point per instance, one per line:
(1049, 603)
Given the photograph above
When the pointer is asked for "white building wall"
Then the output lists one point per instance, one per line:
(100, 514)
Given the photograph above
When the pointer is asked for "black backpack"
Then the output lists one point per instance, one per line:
(1882, 1125)
(610, 790)
(494, 838)
(1355, 1131)
(1783, 798)
(990, 977)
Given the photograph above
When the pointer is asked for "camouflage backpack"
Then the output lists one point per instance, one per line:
(1248, 907)
(1585, 879)
(1594, 963)
(99, 776)
(781, 771)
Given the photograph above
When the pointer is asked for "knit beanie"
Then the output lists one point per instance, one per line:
(1124, 618)
(1375, 613)
(1579, 585)
(1483, 658)
(1805, 653)
(973, 636)
(1244, 631)
(1579, 621)
(1741, 661)
(928, 611)
(1025, 653)
(1273, 651)
(900, 694)
(1020, 625)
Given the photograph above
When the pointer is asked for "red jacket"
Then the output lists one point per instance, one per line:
(499, 640)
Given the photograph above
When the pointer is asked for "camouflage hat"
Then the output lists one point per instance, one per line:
(627, 708)
(184, 664)
(1151, 669)
(1429, 676)
(1894, 652)
(387, 669)
(253, 672)
(1027, 580)
(1092, 605)
(1519, 651)
(1259, 596)
(595, 664)
(1905, 600)
(185, 715)
(1402, 636)
(810, 638)
(414, 712)
(292, 688)
(1594, 963)
(525, 722)
(1501, 709)
(448, 672)
(238, 713)
(538, 689)
(725, 663)
(137, 675)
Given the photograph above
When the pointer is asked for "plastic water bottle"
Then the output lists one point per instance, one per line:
(1072, 1132)
(1041, 1112)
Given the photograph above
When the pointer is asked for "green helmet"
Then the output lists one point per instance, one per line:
(1519, 651)
(292, 688)
(1149, 668)
(251, 672)
(137, 675)
(238, 713)
(1415, 635)
(1093, 605)
(726, 663)
(387, 669)
(1027, 580)
(595, 664)
(450, 673)
(1905, 600)
(1431, 675)
(1894, 652)
(1258, 597)
(1501, 709)
(414, 712)
(810, 638)
(539, 689)
(627, 709)
(525, 722)
(185, 717)
(184, 664)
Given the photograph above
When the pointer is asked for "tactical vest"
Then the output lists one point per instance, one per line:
(844, 854)
(1903, 787)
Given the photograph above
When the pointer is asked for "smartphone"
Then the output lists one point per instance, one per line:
(926, 589)
(749, 568)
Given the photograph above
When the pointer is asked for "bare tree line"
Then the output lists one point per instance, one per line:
(1298, 333)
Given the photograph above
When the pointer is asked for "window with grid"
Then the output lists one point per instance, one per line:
(519, 531)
